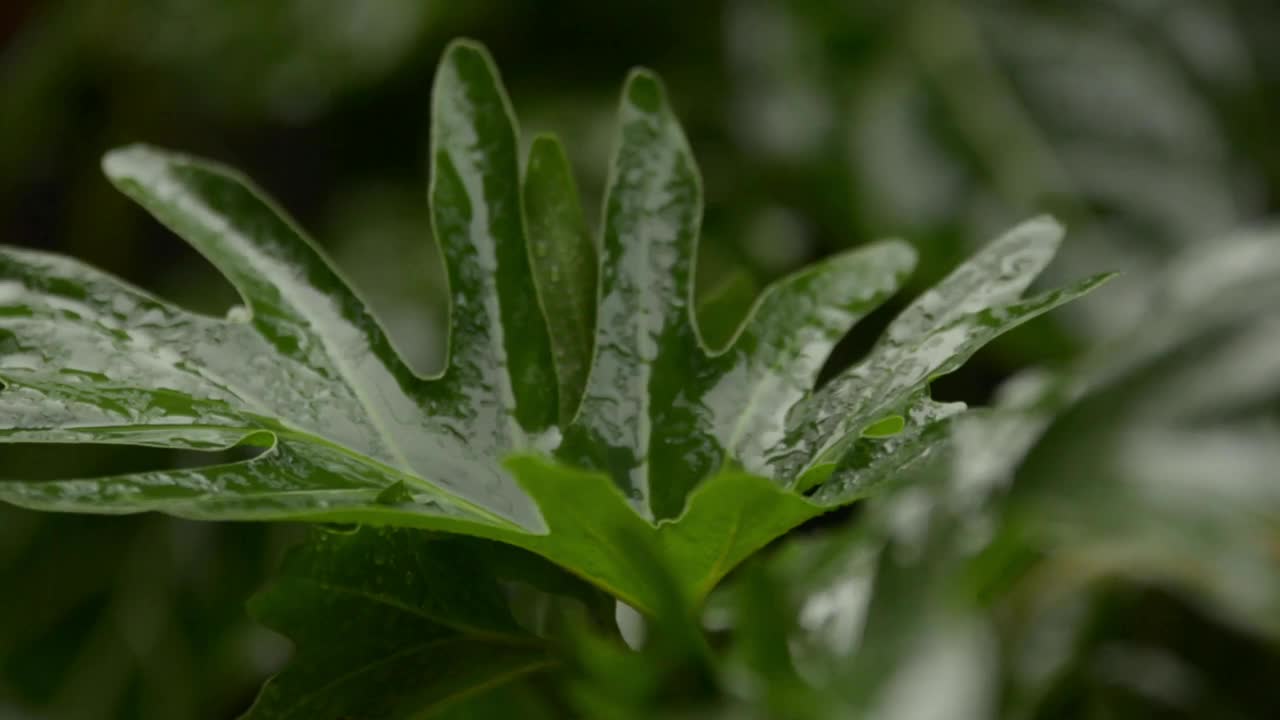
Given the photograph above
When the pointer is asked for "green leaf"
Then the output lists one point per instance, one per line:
(699, 451)
(499, 353)
(872, 462)
(885, 427)
(563, 258)
(1160, 464)
(610, 680)
(592, 526)
(497, 704)
(305, 372)
(764, 645)
(935, 335)
(661, 411)
(645, 342)
(373, 613)
(770, 368)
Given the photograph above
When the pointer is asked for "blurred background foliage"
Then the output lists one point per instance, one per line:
(1147, 126)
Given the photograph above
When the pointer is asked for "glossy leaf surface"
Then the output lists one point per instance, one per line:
(660, 411)
(935, 335)
(563, 258)
(698, 451)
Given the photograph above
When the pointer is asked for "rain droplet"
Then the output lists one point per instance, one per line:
(21, 361)
(11, 291)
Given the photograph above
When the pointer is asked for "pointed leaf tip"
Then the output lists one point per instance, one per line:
(900, 256)
(1046, 223)
(644, 91)
(463, 47)
(1040, 236)
(497, 338)
(465, 66)
(546, 147)
(131, 162)
(644, 329)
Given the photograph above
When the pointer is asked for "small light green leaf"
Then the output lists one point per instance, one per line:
(885, 428)
(872, 464)
(729, 516)
(563, 259)
(388, 623)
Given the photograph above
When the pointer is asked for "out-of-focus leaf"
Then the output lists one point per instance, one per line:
(137, 619)
(722, 307)
(497, 704)
(1138, 124)
(290, 62)
(872, 613)
(1178, 482)
(389, 623)
(669, 667)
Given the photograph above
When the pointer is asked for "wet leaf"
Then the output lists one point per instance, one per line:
(697, 451)
(564, 266)
(935, 335)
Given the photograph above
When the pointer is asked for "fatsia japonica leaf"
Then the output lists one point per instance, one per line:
(660, 411)
(580, 407)
(304, 370)
(373, 611)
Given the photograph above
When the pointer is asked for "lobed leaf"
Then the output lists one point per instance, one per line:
(934, 336)
(500, 379)
(630, 425)
(697, 453)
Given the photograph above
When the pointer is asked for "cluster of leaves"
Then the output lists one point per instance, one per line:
(594, 438)
(1014, 575)
(1141, 125)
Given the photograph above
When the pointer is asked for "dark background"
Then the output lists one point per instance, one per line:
(1145, 126)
